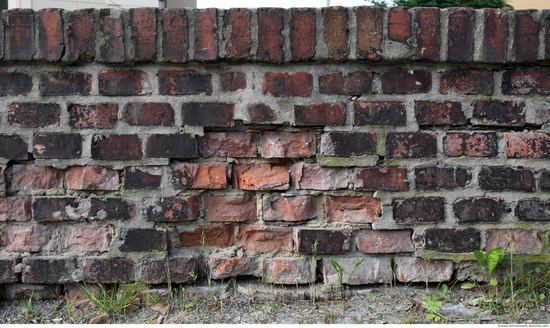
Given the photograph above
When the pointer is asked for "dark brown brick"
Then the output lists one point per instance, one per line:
(238, 44)
(113, 28)
(335, 32)
(419, 210)
(495, 35)
(116, 147)
(48, 270)
(460, 39)
(499, 113)
(452, 240)
(214, 235)
(302, 34)
(399, 24)
(13, 84)
(321, 113)
(229, 144)
(526, 31)
(526, 82)
(527, 145)
(500, 178)
(81, 35)
(404, 81)
(181, 270)
(175, 41)
(427, 34)
(50, 30)
(380, 113)
(477, 144)
(411, 145)
(33, 115)
(479, 210)
(21, 29)
(533, 210)
(232, 81)
(210, 114)
(230, 208)
(7, 269)
(143, 240)
(369, 33)
(439, 113)
(467, 82)
(546, 41)
(144, 34)
(13, 147)
(107, 271)
(353, 84)
(171, 146)
(188, 82)
(329, 241)
(261, 113)
(56, 209)
(544, 180)
(436, 178)
(299, 84)
(348, 143)
(65, 83)
(206, 34)
(57, 145)
(148, 114)
(142, 177)
(111, 209)
(174, 209)
(270, 38)
(124, 83)
(94, 116)
(384, 178)
(290, 209)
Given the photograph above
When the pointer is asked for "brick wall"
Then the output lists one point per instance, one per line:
(391, 134)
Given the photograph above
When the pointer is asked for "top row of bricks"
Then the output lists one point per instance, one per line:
(276, 35)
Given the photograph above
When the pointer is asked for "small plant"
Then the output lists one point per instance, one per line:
(26, 309)
(340, 273)
(313, 270)
(433, 304)
(488, 265)
(112, 301)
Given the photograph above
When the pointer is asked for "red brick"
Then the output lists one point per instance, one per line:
(57, 145)
(514, 240)
(380, 113)
(261, 113)
(466, 82)
(439, 113)
(215, 235)
(500, 178)
(329, 241)
(30, 239)
(369, 33)
(113, 29)
(321, 113)
(265, 239)
(230, 208)
(399, 21)
(527, 145)
(404, 81)
(14, 84)
(384, 178)
(92, 178)
(238, 22)
(414, 269)
(209, 114)
(419, 210)
(15, 209)
(460, 39)
(111, 209)
(427, 34)
(311, 176)
(526, 31)
(436, 178)
(356, 209)
(93, 116)
(275, 144)
(299, 84)
(34, 292)
(116, 147)
(7, 267)
(232, 81)
(34, 115)
(287, 271)
(148, 114)
(144, 34)
(302, 34)
(499, 113)
(411, 145)
(87, 239)
(336, 32)
(179, 145)
(50, 27)
(477, 144)
(143, 240)
(21, 29)
(187, 82)
(290, 209)
(206, 34)
(199, 176)
(174, 40)
(479, 210)
(270, 38)
(142, 177)
(48, 270)
(174, 209)
(229, 144)
(526, 83)
(13, 147)
(65, 83)
(353, 84)
(124, 83)
(452, 240)
(260, 176)
(348, 143)
(181, 270)
(81, 35)
(495, 35)
(57, 209)
(107, 271)
(30, 177)
(223, 268)
(385, 241)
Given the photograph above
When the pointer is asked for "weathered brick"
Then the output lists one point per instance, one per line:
(15, 209)
(385, 241)
(479, 209)
(404, 81)
(427, 34)
(353, 84)
(124, 83)
(419, 210)
(143, 240)
(229, 144)
(111, 209)
(290, 209)
(359, 209)
(238, 22)
(336, 32)
(142, 177)
(148, 114)
(414, 269)
(34, 115)
(214, 235)
(381, 178)
(7, 269)
(92, 178)
(187, 82)
(48, 270)
(223, 268)
(21, 29)
(439, 113)
(31, 177)
(13, 147)
(230, 208)
(116, 147)
(29, 239)
(411, 145)
(13, 84)
(527, 145)
(526, 31)
(348, 143)
(88, 239)
(399, 24)
(208, 114)
(81, 35)
(542, 116)
(379, 113)
(113, 29)
(311, 176)
(369, 33)
(477, 144)
(533, 210)
(500, 178)
(545, 40)
(321, 113)
(302, 34)
(466, 82)
(261, 113)
(174, 209)
(287, 271)
(436, 178)
(265, 239)
(299, 84)
(34, 292)
(460, 39)
(107, 271)
(2, 181)
(232, 81)
(206, 34)
(57, 209)
(373, 270)
(93, 116)
(270, 38)
(525, 82)
(174, 38)
(50, 30)
(452, 240)
(281, 144)
(495, 35)
(514, 240)
(260, 176)
(143, 25)
(65, 83)
(198, 176)
(329, 241)
(57, 145)
(171, 146)
(544, 180)
(181, 270)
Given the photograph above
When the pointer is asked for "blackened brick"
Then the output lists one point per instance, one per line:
(50, 30)
(13, 147)
(144, 34)
(335, 32)
(399, 20)
(142, 177)
(188, 82)
(526, 31)
(419, 210)
(261, 113)
(299, 84)
(113, 28)
(148, 114)
(546, 41)
(460, 40)
(544, 180)
(171, 146)
(270, 39)
(526, 82)
(211, 114)
(383, 178)
(320, 114)
(116, 147)
(329, 241)
(57, 145)
(56, 209)
(495, 35)
(434, 113)
(21, 29)
(65, 83)
(479, 210)
(499, 178)
(81, 35)
(369, 33)
(181, 270)
(238, 22)
(33, 115)
(353, 84)
(499, 113)
(348, 143)
(380, 113)
(93, 116)
(7, 269)
(48, 270)
(206, 34)
(436, 178)
(143, 240)
(13, 84)
(174, 209)
(427, 34)
(111, 209)
(302, 34)
(411, 145)
(452, 240)
(467, 82)
(124, 83)
(533, 210)
(107, 271)
(232, 81)
(175, 41)
(404, 81)
(479, 144)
